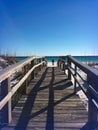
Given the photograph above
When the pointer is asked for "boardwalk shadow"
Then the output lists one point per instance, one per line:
(27, 114)
(67, 83)
(51, 104)
(24, 117)
(50, 110)
(88, 126)
(62, 81)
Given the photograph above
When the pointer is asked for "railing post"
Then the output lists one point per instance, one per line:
(74, 79)
(63, 66)
(5, 113)
(25, 85)
(40, 65)
(58, 63)
(32, 74)
(92, 113)
(43, 59)
(69, 73)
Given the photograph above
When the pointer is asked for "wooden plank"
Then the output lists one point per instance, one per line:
(48, 106)
(15, 88)
(5, 113)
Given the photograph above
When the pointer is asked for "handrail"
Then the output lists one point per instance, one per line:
(70, 67)
(76, 80)
(27, 67)
(90, 71)
(92, 85)
(15, 67)
(93, 93)
(14, 89)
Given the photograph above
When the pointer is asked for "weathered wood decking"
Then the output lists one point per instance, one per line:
(50, 105)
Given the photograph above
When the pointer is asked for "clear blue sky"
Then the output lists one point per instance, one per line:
(49, 27)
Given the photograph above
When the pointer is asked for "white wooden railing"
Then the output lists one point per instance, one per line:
(6, 91)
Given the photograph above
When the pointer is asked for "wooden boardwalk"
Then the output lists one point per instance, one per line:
(50, 105)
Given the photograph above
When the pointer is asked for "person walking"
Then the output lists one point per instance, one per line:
(52, 61)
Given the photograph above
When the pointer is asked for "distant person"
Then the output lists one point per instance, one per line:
(52, 61)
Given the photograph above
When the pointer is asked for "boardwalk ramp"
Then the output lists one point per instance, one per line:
(50, 105)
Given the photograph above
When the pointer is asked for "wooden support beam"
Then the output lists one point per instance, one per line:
(26, 82)
(32, 74)
(5, 113)
(75, 83)
(69, 73)
(43, 59)
(39, 61)
(58, 63)
(92, 114)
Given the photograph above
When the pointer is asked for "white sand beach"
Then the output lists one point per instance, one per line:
(49, 64)
(80, 93)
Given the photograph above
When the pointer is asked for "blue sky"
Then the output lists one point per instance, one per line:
(49, 27)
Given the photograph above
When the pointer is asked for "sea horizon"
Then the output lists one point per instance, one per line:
(86, 58)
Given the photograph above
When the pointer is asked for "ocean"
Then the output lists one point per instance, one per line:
(55, 58)
(19, 58)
